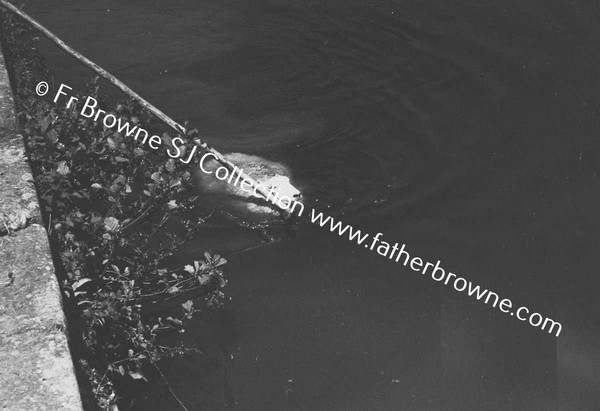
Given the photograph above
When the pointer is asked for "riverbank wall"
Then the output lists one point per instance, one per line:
(36, 367)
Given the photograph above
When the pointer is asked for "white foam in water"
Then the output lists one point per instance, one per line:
(229, 193)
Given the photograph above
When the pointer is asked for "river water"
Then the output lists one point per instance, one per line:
(468, 130)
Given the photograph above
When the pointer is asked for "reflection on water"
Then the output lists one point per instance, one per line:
(468, 130)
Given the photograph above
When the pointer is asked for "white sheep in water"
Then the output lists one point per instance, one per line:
(230, 192)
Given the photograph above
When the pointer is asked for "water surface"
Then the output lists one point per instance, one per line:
(467, 130)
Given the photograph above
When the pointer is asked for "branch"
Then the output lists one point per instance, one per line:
(169, 387)
(125, 89)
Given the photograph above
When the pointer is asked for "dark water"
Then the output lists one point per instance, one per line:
(468, 130)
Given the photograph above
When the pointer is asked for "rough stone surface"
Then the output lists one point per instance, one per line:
(36, 369)
(18, 202)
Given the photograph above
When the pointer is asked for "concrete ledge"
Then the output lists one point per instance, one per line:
(36, 368)
(18, 202)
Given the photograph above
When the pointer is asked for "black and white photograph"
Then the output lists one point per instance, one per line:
(299, 205)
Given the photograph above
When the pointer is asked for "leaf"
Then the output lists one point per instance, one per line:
(219, 261)
(79, 283)
(137, 375)
(156, 177)
(53, 136)
(188, 305)
(120, 179)
(193, 132)
(174, 321)
(45, 123)
(111, 224)
(189, 269)
(170, 166)
(204, 279)
(63, 168)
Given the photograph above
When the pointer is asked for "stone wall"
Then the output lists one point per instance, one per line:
(36, 368)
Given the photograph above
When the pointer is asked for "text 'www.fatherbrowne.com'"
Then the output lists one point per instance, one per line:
(90, 110)
(399, 253)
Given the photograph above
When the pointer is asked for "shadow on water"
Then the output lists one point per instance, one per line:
(467, 130)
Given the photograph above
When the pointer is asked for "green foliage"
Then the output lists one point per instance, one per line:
(116, 213)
